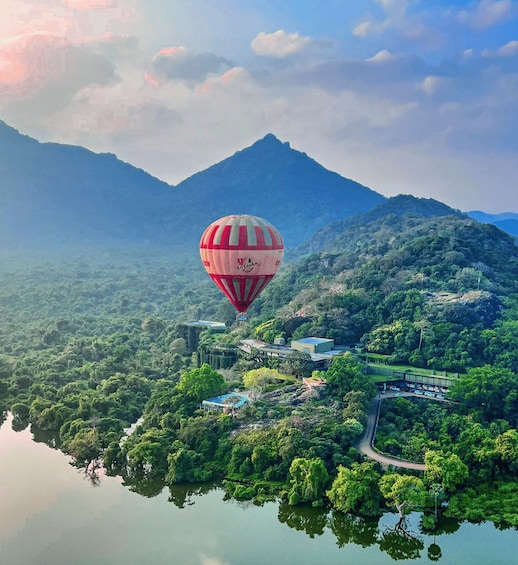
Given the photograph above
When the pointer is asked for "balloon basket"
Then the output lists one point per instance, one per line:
(241, 317)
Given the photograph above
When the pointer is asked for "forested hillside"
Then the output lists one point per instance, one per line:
(427, 288)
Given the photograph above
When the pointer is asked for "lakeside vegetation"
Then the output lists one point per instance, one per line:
(90, 344)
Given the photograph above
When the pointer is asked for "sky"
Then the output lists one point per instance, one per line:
(404, 96)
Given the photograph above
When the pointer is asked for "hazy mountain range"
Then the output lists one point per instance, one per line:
(54, 194)
(507, 221)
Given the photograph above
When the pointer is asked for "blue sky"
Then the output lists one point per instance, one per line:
(404, 96)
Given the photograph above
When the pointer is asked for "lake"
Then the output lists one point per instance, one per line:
(51, 514)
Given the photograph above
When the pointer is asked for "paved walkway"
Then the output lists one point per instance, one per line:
(364, 444)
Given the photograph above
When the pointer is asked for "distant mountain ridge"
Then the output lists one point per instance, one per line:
(53, 194)
(56, 194)
(507, 221)
(403, 211)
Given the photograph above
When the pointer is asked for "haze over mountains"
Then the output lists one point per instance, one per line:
(344, 233)
(507, 221)
(53, 194)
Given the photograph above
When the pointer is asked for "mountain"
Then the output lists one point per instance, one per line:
(285, 186)
(507, 221)
(411, 278)
(395, 214)
(54, 194)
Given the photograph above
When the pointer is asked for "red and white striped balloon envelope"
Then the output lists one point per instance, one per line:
(241, 254)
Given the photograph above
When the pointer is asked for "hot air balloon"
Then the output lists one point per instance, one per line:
(241, 254)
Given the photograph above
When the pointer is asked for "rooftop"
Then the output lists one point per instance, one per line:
(207, 324)
(230, 400)
(313, 340)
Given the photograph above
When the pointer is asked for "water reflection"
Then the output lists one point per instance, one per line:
(306, 519)
(183, 495)
(145, 485)
(434, 552)
(50, 513)
(353, 529)
(397, 540)
(401, 543)
(50, 438)
(92, 472)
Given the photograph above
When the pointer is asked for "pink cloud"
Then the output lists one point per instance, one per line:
(230, 74)
(171, 51)
(28, 60)
(226, 78)
(84, 5)
(152, 80)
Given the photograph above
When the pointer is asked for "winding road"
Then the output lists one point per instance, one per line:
(364, 444)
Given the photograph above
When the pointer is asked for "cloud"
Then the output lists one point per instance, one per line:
(381, 56)
(391, 76)
(228, 79)
(279, 44)
(41, 73)
(85, 5)
(508, 50)
(402, 24)
(395, 16)
(28, 60)
(487, 13)
(370, 27)
(431, 84)
(181, 63)
(152, 80)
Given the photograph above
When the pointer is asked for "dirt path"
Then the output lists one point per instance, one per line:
(364, 444)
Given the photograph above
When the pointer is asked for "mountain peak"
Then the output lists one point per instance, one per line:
(269, 144)
(271, 180)
(271, 140)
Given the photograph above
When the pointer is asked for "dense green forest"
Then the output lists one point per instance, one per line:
(92, 342)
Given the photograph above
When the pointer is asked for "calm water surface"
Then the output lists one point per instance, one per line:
(51, 515)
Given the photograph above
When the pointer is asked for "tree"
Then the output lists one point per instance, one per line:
(492, 391)
(180, 466)
(402, 491)
(202, 383)
(259, 379)
(308, 480)
(85, 447)
(356, 403)
(425, 331)
(356, 489)
(20, 410)
(147, 453)
(449, 470)
(178, 345)
(345, 375)
(507, 447)
(476, 446)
